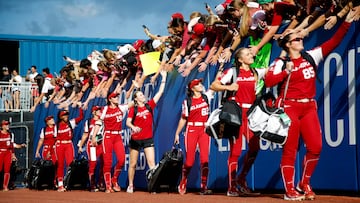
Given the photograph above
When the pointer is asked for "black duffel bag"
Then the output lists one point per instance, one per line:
(225, 121)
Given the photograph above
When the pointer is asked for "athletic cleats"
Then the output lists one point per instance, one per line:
(244, 190)
(294, 195)
(306, 190)
(206, 192)
(116, 187)
(182, 187)
(233, 192)
(109, 190)
(61, 189)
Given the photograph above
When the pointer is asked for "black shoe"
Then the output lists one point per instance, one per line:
(206, 192)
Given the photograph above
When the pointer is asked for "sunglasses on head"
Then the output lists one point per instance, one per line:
(231, 8)
(296, 39)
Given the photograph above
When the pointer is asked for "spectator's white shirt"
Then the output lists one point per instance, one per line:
(47, 86)
(16, 80)
(32, 76)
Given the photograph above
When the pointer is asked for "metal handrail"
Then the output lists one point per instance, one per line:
(28, 93)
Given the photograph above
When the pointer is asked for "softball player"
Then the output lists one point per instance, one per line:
(6, 152)
(142, 130)
(88, 136)
(112, 141)
(245, 87)
(195, 119)
(64, 147)
(301, 107)
(47, 140)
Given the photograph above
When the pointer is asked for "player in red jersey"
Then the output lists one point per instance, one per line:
(142, 130)
(301, 106)
(195, 119)
(93, 157)
(7, 154)
(112, 140)
(47, 140)
(64, 147)
(247, 82)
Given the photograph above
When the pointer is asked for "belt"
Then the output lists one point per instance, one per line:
(304, 100)
(114, 132)
(196, 123)
(246, 105)
(4, 150)
(64, 141)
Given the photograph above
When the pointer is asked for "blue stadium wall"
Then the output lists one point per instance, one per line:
(338, 96)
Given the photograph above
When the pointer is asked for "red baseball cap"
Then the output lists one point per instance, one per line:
(48, 118)
(4, 122)
(194, 82)
(198, 30)
(112, 95)
(138, 43)
(177, 15)
(95, 108)
(63, 113)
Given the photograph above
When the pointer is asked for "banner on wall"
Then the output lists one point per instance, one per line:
(338, 100)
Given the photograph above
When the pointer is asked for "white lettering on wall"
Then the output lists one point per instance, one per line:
(223, 145)
(352, 94)
(327, 104)
(351, 84)
(141, 163)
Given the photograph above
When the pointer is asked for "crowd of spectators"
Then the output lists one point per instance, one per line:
(205, 38)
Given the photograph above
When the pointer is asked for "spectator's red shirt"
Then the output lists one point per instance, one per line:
(185, 37)
(283, 11)
(210, 40)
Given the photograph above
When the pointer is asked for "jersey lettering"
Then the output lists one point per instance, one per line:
(308, 73)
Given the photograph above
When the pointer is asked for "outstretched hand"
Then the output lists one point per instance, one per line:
(357, 13)
(351, 16)
(330, 22)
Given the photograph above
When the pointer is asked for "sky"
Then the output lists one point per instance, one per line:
(119, 19)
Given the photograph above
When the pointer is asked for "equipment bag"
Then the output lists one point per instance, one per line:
(29, 175)
(77, 177)
(167, 172)
(269, 123)
(231, 113)
(44, 175)
(218, 129)
(225, 121)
